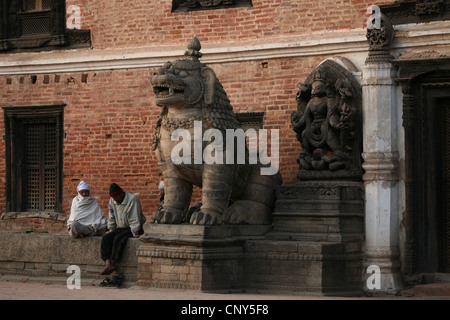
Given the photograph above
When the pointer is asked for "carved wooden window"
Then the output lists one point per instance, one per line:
(192, 5)
(34, 138)
(251, 120)
(34, 24)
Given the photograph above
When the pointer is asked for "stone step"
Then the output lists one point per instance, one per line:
(436, 277)
(432, 290)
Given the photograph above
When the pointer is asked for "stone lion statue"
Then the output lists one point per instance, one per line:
(193, 99)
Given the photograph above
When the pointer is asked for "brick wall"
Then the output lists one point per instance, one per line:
(108, 125)
(111, 115)
(120, 24)
(110, 118)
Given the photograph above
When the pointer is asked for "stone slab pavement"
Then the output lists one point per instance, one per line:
(177, 304)
(40, 289)
(15, 290)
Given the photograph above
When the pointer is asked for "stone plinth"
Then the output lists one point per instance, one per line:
(45, 256)
(316, 245)
(324, 211)
(193, 257)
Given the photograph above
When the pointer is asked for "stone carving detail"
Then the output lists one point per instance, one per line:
(188, 93)
(427, 7)
(416, 11)
(328, 124)
(79, 38)
(380, 40)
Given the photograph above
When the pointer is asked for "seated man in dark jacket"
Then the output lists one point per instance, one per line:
(125, 221)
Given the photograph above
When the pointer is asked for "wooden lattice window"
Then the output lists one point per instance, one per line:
(30, 25)
(251, 120)
(35, 17)
(34, 138)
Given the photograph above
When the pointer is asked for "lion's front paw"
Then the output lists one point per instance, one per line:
(206, 218)
(168, 217)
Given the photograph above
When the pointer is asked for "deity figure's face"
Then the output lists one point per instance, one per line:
(319, 88)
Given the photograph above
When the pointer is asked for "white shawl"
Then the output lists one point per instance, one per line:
(86, 210)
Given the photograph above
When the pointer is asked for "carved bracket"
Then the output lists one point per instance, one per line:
(380, 40)
(403, 12)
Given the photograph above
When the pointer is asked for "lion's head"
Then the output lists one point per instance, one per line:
(188, 83)
(184, 82)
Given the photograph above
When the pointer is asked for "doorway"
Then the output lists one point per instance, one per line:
(444, 137)
(426, 122)
(431, 174)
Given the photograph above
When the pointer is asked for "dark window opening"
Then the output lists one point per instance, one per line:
(193, 5)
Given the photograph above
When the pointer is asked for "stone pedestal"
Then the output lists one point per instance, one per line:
(192, 257)
(323, 211)
(316, 245)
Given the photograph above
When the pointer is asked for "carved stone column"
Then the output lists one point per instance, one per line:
(380, 154)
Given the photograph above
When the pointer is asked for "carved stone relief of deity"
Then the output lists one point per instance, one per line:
(328, 124)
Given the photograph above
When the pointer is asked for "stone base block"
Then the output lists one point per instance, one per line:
(207, 258)
(317, 268)
(49, 256)
(220, 258)
(316, 244)
(326, 211)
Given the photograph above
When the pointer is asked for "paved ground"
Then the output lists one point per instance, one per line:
(175, 304)
(14, 290)
(49, 290)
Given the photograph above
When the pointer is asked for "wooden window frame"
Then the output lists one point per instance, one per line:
(37, 7)
(23, 30)
(251, 120)
(15, 186)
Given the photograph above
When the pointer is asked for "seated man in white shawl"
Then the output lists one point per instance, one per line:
(86, 217)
